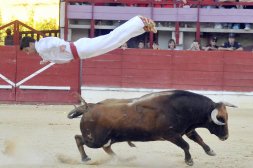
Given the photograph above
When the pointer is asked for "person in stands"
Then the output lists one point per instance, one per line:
(212, 46)
(8, 40)
(231, 44)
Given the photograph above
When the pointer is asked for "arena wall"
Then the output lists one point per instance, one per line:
(222, 76)
(24, 80)
(124, 74)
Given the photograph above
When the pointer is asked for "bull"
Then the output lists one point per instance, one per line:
(166, 115)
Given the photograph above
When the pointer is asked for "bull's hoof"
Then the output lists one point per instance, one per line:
(86, 159)
(131, 144)
(211, 152)
(189, 162)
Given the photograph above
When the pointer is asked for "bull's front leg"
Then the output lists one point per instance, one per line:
(179, 141)
(193, 135)
(80, 143)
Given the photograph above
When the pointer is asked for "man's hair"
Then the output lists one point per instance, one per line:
(25, 41)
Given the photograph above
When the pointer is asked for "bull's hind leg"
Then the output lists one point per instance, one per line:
(131, 144)
(193, 135)
(179, 141)
(80, 143)
(109, 150)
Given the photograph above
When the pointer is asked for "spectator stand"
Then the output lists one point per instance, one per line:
(79, 20)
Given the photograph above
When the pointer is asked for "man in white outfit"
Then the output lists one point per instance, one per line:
(54, 49)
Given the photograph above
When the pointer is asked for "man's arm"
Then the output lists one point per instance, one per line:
(225, 49)
(48, 43)
(239, 49)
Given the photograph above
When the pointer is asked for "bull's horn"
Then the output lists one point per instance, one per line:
(229, 104)
(214, 117)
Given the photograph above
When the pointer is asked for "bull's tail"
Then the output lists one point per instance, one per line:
(74, 114)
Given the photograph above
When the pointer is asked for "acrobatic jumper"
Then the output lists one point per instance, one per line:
(54, 49)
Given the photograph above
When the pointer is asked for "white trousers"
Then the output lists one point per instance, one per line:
(91, 47)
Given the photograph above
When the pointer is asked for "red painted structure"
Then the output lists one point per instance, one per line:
(23, 79)
(131, 68)
(57, 84)
(193, 70)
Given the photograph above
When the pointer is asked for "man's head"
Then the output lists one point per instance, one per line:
(213, 41)
(141, 44)
(171, 44)
(27, 45)
(8, 32)
(231, 38)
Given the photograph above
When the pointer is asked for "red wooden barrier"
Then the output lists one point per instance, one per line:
(33, 82)
(198, 70)
(131, 68)
(7, 73)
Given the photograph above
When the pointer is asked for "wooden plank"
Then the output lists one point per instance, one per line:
(103, 71)
(102, 80)
(198, 67)
(240, 82)
(146, 79)
(197, 57)
(238, 75)
(146, 65)
(238, 68)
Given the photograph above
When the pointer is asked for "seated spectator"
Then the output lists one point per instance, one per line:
(247, 26)
(171, 44)
(231, 44)
(212, 45)
(184, 4)
(207, 4)
(169, 4)
(157, 5)
(141, 45)
(195, 46)
(155, 46)
(143, 4)
(124, 46)
(8, 40)
(228, 25)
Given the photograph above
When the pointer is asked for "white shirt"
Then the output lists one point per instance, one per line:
(49, 50)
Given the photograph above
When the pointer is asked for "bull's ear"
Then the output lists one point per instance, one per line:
(229, 104)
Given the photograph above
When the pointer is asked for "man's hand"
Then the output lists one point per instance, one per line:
(43, 62)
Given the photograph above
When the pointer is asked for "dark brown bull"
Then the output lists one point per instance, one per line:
(164, 115)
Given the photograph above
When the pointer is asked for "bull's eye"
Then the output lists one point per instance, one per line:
(221, 119)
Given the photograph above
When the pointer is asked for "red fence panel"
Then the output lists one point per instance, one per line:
(7, 73)
(197, 69)
(238, 71)
(23, 79)
(49, 83)
(192, 70)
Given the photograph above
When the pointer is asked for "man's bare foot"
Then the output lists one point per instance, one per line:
(149, 24)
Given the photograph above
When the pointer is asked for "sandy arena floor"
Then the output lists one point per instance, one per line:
(42, 136)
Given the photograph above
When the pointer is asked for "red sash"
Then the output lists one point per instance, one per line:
(74, 51)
